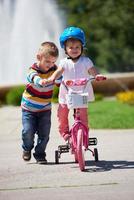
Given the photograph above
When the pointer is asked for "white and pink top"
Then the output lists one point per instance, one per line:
(75, 71)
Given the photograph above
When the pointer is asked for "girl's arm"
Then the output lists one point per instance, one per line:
(94, 72)
(57, 74)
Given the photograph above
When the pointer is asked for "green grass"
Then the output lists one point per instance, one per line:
(112, 114)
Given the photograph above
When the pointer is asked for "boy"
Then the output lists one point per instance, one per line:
(36, 103)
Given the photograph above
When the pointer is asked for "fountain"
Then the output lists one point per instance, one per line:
(24, 24)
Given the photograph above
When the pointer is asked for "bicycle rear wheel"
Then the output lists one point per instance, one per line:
(80, 150)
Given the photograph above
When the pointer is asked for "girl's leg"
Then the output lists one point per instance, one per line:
(84, 116)
(62, 115)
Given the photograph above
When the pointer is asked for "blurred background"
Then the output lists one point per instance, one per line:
(109, 29)
(24, 24)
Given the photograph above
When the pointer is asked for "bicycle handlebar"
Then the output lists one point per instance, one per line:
(78, 82)
(83, 81)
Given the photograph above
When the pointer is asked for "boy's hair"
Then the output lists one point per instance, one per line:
(48, 49)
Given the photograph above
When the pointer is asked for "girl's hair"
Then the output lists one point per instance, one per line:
(72, 40)
(48, 49)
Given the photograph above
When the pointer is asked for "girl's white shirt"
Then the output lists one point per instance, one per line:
(77, 70)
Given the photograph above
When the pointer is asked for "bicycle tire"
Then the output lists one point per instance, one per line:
(96, 154)
(56, 157)
(80, 150)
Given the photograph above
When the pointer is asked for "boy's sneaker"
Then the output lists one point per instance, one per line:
(41, 160)
(26, 155)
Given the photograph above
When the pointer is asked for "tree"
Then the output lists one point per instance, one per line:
(109, 29)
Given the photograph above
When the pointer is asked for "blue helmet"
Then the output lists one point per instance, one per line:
(72, 32)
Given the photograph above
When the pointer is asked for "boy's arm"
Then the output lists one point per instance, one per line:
(94, 72)
(32, 77)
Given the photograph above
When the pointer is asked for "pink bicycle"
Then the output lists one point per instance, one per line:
(80, 140)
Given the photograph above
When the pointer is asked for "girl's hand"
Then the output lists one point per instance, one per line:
(43, 82)
(100, 77)
(50, 80)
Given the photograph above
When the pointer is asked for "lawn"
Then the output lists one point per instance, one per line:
(111, 114)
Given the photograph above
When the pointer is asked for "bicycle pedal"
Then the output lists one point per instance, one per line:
(63, 148)
(92, 141)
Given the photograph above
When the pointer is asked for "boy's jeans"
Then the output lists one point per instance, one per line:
(40, 124)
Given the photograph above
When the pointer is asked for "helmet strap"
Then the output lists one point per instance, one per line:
(74, 59)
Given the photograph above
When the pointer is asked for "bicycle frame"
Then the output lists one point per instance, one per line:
(75, 127)
(80, 140)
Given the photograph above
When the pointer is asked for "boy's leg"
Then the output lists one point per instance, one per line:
(44, 125)
(63, 121)
(28, 131)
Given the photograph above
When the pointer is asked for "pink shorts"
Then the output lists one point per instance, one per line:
(62, 115)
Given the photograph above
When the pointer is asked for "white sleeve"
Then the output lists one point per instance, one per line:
(62, 63)
(88, 63)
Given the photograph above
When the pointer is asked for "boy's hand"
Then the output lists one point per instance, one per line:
(100, 77)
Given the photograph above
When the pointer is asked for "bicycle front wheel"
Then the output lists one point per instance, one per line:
(80, 150)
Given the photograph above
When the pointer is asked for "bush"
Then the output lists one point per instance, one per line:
(55, 94)
(99, 97)
(126, 97)
(13, 97)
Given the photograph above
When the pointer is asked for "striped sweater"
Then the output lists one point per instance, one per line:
(37, 98)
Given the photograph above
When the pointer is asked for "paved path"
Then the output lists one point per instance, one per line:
(112, 178)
